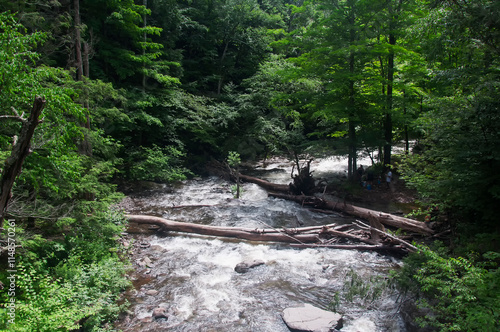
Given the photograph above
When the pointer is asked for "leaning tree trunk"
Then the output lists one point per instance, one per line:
(20, 150)
(367, 214)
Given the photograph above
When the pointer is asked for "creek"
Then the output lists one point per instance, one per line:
(193, 276)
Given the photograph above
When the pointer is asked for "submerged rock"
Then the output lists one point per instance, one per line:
(152, 292)
(160, 312)
(311, 319)
(243, 267)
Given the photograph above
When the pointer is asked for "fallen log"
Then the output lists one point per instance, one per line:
(410, 247)
(335, 233)
(251, 234)
(266, 184)
(367, 214)
(304, 237)
(380, 248)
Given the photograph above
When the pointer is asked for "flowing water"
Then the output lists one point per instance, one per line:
(193, 277)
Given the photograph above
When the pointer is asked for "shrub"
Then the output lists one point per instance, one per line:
(157, 164)
(71, 282)
(463, 294)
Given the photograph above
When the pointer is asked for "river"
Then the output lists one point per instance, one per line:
(193, 277)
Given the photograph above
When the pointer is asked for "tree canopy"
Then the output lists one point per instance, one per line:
(151, 90)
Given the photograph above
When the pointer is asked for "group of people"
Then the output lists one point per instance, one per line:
(368, 176)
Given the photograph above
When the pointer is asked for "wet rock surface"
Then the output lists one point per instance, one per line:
(160, 312)
(309, 318)
(245, 266)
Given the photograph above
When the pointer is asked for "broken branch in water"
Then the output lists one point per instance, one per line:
(402, 242)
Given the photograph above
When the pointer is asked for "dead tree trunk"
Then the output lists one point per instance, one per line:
(282, 191)
(312, 236)
(297, 235)
(20, 150)
(303, 182)
(367, 214)
(266, 184)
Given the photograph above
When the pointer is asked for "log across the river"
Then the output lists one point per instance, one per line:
(304, 235)
(311, 236)
(387, 219)
(266, 184)
(384, 218)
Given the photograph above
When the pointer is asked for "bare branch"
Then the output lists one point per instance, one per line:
(13, 117)
(398, 240)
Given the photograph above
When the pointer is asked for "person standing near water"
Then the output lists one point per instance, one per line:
(360, 172)
(388, 177)
(369, 178)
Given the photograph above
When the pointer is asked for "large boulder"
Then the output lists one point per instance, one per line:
(311, 319)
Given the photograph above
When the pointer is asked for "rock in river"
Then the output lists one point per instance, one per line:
(243, 267)
(160, 312)
(311, 319)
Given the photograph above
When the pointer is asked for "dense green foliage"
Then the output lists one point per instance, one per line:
(151, 90)
(457, 165)
(463, 293)
(65, 274)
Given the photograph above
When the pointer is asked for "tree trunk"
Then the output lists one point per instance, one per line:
(297, 235)
(352, 157)
(221, 68)
(353, 153)
(144, 37)
(78, 42)
(86, 144)
(367, 214)
(300, 237)
(388, 114)
(266, 184)
(407, 138)
(238, 181)
(20, 150)
(303, 182)
(394, 17)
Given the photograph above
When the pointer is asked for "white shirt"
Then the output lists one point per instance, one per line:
(389, 176)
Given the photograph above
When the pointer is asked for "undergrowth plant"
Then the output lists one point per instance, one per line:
(71, 280)
(234, 160)
(364, 291)
(463, 294)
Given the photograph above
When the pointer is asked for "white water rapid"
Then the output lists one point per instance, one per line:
(193, 277)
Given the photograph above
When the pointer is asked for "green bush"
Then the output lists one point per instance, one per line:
(86, 298)
(69, 282)
(157, 164)
(46, 304)
(463, 294)
(361, 290)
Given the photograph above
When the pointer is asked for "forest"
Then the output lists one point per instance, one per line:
(96, 95)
